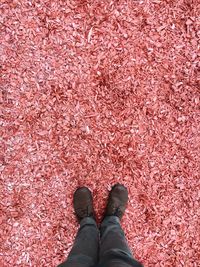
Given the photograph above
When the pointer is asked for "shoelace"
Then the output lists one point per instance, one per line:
(83, 212)
(116, 211)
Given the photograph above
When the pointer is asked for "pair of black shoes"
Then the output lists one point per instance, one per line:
(117, 202)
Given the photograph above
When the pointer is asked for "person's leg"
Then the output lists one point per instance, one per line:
(114, 250)
(84, 252)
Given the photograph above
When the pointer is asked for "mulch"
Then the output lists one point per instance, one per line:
(94, 93)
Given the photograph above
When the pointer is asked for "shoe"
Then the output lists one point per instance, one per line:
(117, 201)
(83, 203)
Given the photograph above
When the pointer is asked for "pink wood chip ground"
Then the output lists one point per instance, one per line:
(93, 93)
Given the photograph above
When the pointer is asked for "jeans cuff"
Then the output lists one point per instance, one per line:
(111, 219)
(88, 220)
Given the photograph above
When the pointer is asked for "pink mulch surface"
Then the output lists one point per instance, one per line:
(94, 93)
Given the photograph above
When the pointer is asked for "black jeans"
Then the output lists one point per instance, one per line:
(113, 250)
